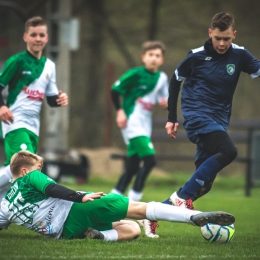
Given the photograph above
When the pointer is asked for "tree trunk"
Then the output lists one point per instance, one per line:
(95, 83)
(153, 24)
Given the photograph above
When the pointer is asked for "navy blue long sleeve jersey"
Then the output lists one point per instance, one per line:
(210, 82)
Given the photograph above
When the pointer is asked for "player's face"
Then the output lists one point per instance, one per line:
(222, 40)
(153, 59)
(36, 39)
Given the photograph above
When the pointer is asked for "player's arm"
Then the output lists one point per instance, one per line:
(5, 113)
(50, 188)
(183, 71)
(174, 90)
(57, 100)
(115, 97)
(172, 124)
(61, 192)
(10, 71)
(120, 88)
(55, 97)
(163, 93)
(121, 118)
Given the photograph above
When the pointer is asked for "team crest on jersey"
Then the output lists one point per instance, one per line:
(231, 69)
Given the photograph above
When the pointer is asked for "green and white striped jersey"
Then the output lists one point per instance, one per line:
(141, 90)
(26, 204)
(28, 80)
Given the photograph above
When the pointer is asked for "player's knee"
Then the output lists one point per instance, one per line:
(136, 231)
(233, 154)
(227, 156)
(153, 162)
(150, 161)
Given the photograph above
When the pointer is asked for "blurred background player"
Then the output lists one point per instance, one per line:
(141, 88)
(211, 73)
(30, 77)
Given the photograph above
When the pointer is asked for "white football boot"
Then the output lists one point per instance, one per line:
(149, 227)
(177, 201)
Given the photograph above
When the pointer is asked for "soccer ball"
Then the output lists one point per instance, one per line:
(217, 234)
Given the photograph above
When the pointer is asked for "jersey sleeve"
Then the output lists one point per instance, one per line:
(185, 68)
(10, 68)
(251, 65)
(52, 88)
(40, 181)
(123, 84)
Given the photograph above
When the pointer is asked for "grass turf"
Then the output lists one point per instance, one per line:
(177, 241)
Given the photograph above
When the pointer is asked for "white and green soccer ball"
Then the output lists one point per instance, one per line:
(214, 233)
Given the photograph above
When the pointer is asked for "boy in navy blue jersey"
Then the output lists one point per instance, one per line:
(211, 73)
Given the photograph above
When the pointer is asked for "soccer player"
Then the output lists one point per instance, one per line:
(211, 73)
(30, 77)
(140, 88)
(36, 202)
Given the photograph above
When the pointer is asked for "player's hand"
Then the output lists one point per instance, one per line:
(172, 129)
(6, 115)
(62, 99)
(121, 119)
(163, 103)
(92, 196)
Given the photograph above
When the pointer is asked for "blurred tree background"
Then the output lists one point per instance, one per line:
(111, 34)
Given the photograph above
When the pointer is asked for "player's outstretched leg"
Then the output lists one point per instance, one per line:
(155, 211)
(215, 217)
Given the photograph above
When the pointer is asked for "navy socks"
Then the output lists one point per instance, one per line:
(167, 201)
(206, 172)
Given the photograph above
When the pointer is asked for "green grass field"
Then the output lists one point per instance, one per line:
(177, 241)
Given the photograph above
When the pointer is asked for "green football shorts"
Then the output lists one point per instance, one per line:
(141, 145)
(98, 214)
(17, 140)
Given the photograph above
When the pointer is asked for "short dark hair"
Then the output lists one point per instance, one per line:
(151, 45)
(33, 22)
(223, 21)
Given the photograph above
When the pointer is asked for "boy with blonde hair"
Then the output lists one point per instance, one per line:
(36, 202)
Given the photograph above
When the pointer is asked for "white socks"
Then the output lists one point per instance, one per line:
(134, 195)
(159, 211)
(115, 191)
(110, 235)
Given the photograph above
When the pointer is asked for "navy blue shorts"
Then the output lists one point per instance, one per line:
(201, 124)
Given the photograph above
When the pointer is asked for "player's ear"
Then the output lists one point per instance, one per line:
(234, 34)
(142, 57)
(47, 37)
(23, 171)
(25, 37)
(210, 33)
(162, 60)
